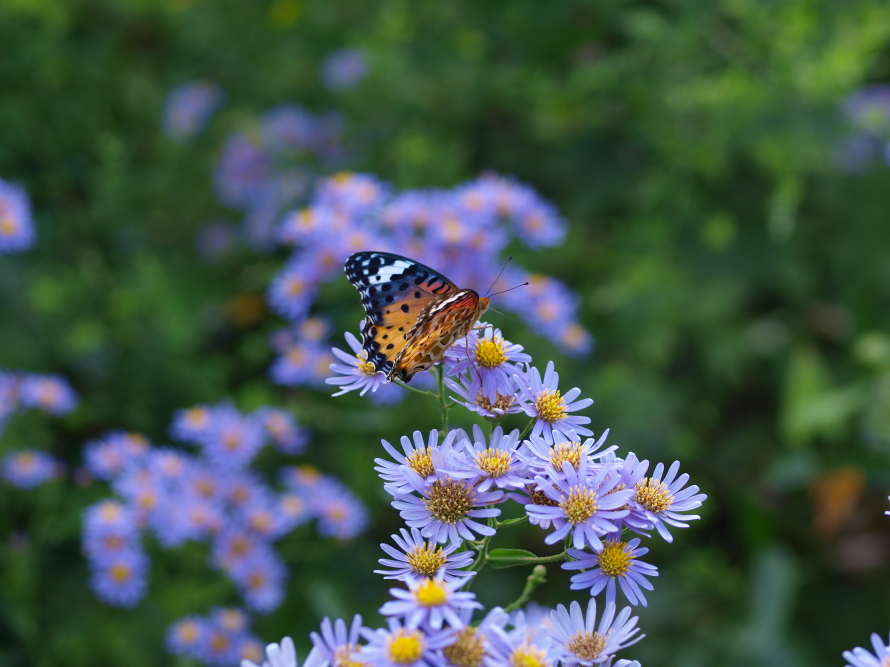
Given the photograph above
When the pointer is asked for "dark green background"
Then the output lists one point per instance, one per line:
(736, 281)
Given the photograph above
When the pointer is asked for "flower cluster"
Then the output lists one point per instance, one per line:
(189, 107)
(211, 496)
(867, 111)
(51, 394)
(220, 639)
(16, 224)
(266, 168)
(465, 229)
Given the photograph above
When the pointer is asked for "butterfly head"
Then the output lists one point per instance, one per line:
(483, 304)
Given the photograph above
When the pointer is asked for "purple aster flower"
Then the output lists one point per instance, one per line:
(109, 532)
(574, 339)
(429, 603)
(470, 643)
(229, 618)
(232, 440)
(248, 648)
(28, 468)
(336, 644)
(490, 359)
(422, 457)
(16, 224)
(496, 462)
(189, 107)
(293, 290)
(218, 647)
(356, 373)
(537, 221)
(121, 580)
(447, 508)
(420, 559)
(289, 127)
(585, 508)
(50, 393)
(340, 513)
(522, 645)
(234, 544)
(398, 646)
(260, 580)
(579, 644)
(304, 362)
(113, 453)
(352, 192)
(663, 499)
(472, 398)
(244, 167)
(343, 69)
(542, 456)
(192, 424)
(280, 655)
(282, 429)
(616, 562)
(185, 636)
(859, 657)
(543, 402)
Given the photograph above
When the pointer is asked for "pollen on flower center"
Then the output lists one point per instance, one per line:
(580, 505)
(586, 645)
(654, 495)
(467, 650)
(421, 462)
(494, 462)
(342, 656)
(365, 366)
(541, 498)
(528, 656)
(565, 451)
(120, 573)
(405, 646)
(426, 560)
(615, 559)
(500, 402)
(550, 405)
(7, 224)
(431, 594)
(490, 352)
(449, 501)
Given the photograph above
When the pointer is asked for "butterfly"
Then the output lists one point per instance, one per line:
(414, 314)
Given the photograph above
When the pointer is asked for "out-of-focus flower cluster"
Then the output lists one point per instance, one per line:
(16, 224)
(219, 639)
(268, 167)
(212, 496)
(50, 394)
(189, 107)
(463, 230)
(867, 111)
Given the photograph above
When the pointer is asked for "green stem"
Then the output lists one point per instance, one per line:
(481, 558)
(440, 383)
(415, 389)
(528, 429)
(535, 579)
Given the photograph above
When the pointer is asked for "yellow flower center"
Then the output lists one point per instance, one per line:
(188, 632)
(110, 512)
(550, 405)
(296, 356)
(653, 494)
(586, 645)
(421, 462)
(405, 646)
(615, 558)
(292, 505)
(295, 287)
(468, 650)
(494, 462)
(565, 451)
(426, 560)
(251, 650)
(528, 656)
(580, 505)
(449, 501)
(120, 573)
(490, 352)
(219, 643)
(365, 366)
(231, 441)
(256, 580)
(7, 222)
(431, 594)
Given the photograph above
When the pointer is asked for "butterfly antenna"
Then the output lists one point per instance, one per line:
(508, 290)
(495, 310)
(499, 274)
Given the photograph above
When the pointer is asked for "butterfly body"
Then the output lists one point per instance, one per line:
(414, 314)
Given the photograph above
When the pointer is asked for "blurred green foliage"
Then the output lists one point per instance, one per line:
(737, 283)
